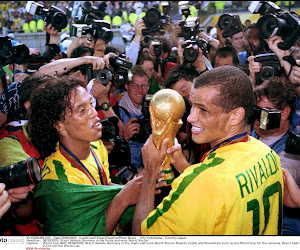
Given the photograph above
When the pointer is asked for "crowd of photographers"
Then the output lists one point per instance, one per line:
(161, 55)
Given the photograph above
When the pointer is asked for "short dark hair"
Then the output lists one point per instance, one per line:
(145, 55)
(234, 86)
(178, 72)
(80, 51)
(28, 85)
(47, 107)
(226, 52)
(279, 91)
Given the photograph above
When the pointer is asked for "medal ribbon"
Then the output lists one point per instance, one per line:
(80, 166)
(237, 138)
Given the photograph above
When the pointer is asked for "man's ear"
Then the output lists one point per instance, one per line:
(285, 113)
(237, 116)
(59, 126)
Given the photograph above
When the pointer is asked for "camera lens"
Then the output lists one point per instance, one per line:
(106, 35)
(191, 54)
(152, 16)
(267, 72)
(225, 22)
(21, 174)
(103, 76)
(269, 26)
(59, 21)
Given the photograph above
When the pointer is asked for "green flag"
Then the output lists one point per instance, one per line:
(75, 209)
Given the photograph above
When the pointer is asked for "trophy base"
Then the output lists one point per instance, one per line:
(169, 176)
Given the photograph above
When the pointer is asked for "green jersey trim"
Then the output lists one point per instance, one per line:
(181, 188)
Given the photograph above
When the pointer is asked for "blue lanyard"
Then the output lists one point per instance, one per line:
(70, 153)
(230, 139)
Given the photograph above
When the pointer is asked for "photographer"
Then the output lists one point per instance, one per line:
(277, 136)
(129, 109)
(15, 146)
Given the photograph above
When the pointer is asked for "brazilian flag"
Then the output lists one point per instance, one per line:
(76, 209)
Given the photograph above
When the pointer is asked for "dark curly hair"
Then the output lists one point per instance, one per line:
(279, 91)
(48, 106)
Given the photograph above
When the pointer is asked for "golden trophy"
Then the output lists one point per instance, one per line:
(166, 109)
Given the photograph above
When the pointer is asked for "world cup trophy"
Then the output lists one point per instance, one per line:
(166, 109)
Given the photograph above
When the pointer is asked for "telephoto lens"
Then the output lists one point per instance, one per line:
(20, 174)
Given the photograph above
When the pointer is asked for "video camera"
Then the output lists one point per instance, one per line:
(9, 53)
(231, 24)
(145, 125)
(120, 155)
(293, 143)
(53, 15)
(20, 174)
(269, 118)
(99, 29)
(270, 66)
(153, 22)
(276, 22)
(87, 12)
(122, 68)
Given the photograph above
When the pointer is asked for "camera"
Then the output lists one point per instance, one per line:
(122, 68)
(102, 75)
(20, 174)
(230, 23)
(99, 29)
(120, 155)
(145, 124)
(152, 21)
(276, 22)
(270, 66)
(293, 143)
(53, 15)
(165, 18)
(190, 52)
(185, 8)
(86, 12)
(269, 118)
(9, 53)
(157, 47)
(189, 27)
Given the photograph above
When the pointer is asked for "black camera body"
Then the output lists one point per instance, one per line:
(87, 12)
(270, 66)
(122, 72)
(276, 22)
(102, 75)
(9, 53)
(269, 118)
(152, 21)
(20, 174)
(189, 27)
(120, 155)
(145, 123)
(231, 24)
(190, 52)
(99, 29)
(53, 15)
(293, 143)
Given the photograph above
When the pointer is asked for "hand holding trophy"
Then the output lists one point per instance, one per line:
(166, 109)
